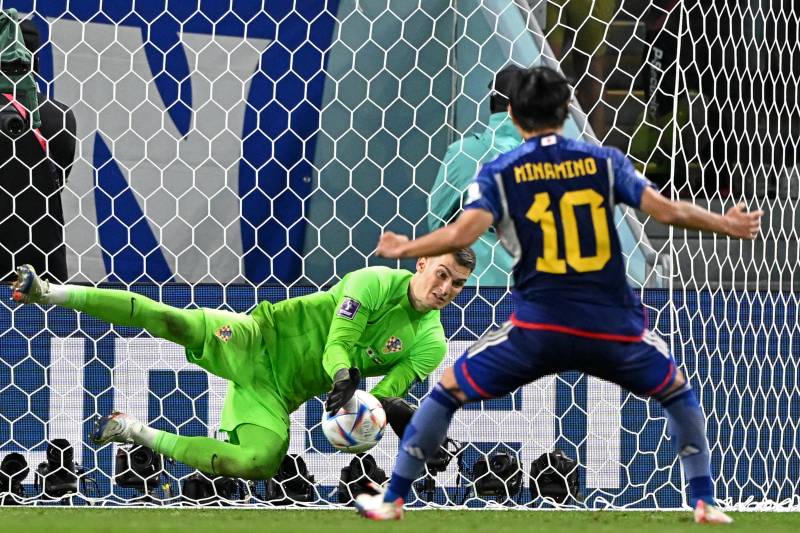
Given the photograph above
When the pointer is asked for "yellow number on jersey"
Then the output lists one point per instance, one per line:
(540, 214)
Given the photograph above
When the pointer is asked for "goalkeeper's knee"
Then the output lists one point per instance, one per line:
(398, 413)
(247, 463)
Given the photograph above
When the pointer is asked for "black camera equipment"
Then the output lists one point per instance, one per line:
(17, 67)
(447, 452)
(13, 471)
(358, 476)
(58, 475)
(138, 467)
(500, 475)
(436, 464)
(11, 122)
(292, 483)
(201, 490)
(555, 475)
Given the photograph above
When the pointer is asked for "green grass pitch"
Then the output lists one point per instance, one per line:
(58, 520)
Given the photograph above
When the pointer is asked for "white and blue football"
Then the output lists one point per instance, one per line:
(358, 426)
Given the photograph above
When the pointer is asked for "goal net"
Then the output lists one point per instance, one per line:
(230, 151)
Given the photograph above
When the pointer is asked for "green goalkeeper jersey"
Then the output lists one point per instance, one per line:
(365, 321)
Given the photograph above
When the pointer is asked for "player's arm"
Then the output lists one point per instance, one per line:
(736, 222)
(462, 233)
(634, 190)
(361, 295)
(482, 209)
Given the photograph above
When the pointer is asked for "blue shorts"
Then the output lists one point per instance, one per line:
(507, 358)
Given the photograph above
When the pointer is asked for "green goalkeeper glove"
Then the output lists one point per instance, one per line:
(345, 384)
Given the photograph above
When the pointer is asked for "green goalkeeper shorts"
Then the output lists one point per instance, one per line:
(234, 350)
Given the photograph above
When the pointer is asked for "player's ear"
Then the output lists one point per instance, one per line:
(421, 262)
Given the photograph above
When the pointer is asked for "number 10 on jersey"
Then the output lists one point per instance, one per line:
(541, 214)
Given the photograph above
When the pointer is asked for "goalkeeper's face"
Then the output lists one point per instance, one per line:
(438, 280)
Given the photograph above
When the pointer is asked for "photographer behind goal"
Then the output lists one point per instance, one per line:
(37, 147)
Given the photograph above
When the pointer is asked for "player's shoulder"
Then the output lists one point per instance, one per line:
(385, 278)
(380, 272)
(532, 146)
(595, 150)
(504, 160)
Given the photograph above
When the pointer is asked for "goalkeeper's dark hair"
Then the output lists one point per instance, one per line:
(466, 258)
(539, 98)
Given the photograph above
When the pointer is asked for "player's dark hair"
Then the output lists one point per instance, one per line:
(498, 103)
(466, 258)
(501, 86)
(539, 98)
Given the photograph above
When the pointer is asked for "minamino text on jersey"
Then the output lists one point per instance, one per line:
(549, 171)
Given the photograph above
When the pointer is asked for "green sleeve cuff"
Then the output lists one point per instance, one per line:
(335, 369)
(334, 359)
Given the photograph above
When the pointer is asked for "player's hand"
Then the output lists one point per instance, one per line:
(389, 245)
(741, 223)
(345, 384)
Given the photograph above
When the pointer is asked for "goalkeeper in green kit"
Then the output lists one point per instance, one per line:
(376, 321)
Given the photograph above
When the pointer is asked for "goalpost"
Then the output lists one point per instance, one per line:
(235, 152)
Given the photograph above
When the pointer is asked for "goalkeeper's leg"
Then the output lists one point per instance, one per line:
(122, 308)
(254, 452)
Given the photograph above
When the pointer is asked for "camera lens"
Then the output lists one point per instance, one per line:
(14, 466)
(11, 124)
(142, 458)
(15, 126)
(60, 454)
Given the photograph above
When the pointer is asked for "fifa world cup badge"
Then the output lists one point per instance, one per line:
(348, 308)
(393, 345)
(224, 333)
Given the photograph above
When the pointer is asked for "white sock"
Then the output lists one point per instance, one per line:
(144, 434)
(56, 294)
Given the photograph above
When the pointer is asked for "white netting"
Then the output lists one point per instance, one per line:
(229, 153)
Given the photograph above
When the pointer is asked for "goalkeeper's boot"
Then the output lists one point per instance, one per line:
(705, 513)
(372, 506)
(29, 288)
(116, 427)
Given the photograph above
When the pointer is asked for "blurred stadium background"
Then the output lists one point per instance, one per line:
(231, 151)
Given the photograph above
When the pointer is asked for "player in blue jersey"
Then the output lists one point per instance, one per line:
(551, 201)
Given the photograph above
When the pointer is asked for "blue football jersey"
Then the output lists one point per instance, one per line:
(553, 200)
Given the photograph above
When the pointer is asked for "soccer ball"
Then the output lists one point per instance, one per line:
(358, 426)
